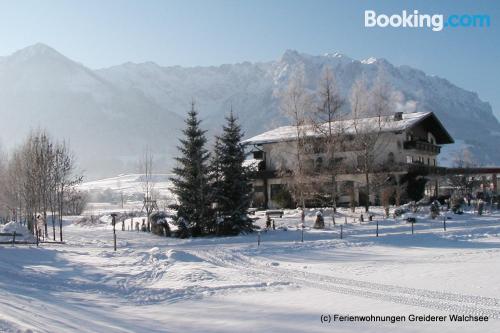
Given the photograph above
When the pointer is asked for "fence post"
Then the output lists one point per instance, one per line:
(302, 235)
(36, 232)
(258, 238)
(444, 223)
(345, 222)
(412, 227)
(377, 228)
(341, 231)
(113, 221)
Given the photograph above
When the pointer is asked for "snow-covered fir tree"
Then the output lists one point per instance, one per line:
(191, 177)
(231, 189)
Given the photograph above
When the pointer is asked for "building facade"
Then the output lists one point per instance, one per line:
(400, 142)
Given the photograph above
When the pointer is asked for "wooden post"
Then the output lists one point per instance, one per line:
(302, 238)
(412, 227)
(258, 238)
(36, 232)
(113, 219)
(345, 222)
(444, 223)
(341, 231)
(377, 228)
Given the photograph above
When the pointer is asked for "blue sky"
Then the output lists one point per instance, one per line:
(189, 33)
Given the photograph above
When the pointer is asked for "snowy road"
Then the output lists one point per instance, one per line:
(154, 284)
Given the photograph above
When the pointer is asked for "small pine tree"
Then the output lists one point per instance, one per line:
(231, 187)
(191, 177)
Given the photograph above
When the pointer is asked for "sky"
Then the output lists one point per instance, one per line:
(103, 33)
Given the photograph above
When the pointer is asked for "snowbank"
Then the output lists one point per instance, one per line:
(19, 229)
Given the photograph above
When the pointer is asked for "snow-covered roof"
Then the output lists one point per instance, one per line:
(348, 126)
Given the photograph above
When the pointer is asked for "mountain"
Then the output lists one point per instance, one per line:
(106, 126)
(110, 115)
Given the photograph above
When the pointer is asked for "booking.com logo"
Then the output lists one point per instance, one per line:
(436, 22)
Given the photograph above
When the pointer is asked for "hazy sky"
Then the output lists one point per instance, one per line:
(103, 33)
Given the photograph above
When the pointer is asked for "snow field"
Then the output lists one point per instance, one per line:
(155, 284)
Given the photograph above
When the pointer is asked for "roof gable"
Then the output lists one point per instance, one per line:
(387, 124)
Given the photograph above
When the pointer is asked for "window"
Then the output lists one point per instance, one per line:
(390, 157)
(319, 164)
(259, 189)
(335, 163)
(258, 154)
(361, 161)
(276, 190)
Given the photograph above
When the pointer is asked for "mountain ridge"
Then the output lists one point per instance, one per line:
(121, 109)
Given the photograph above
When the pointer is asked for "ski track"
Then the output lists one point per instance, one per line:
(450, 302)
(129, 287)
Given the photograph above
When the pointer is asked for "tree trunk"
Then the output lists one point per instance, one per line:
(60, 228)
(367, 203)
(334, 198)
(45, 224)
(53, 226)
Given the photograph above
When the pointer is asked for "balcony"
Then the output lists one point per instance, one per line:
(422, 146)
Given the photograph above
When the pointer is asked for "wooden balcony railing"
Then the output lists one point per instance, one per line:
(423, 146)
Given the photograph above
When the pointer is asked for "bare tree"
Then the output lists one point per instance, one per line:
(463, 184)
(5, 210)
(14, 186)
(119, 186)
(329, 129)
(38, 174)
(369, 110)
(296, 105)
(65, 178)
(75, 201)
(148, 183)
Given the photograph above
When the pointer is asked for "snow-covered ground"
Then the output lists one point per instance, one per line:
(131, 186)
(154, 284)
(128, 183)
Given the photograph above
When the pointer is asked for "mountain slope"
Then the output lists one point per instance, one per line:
(252, 90)
(110, 115)
(105, 125)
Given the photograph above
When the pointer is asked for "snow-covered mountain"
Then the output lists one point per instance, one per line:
(252, 90)
(106, 126)
(111, 114)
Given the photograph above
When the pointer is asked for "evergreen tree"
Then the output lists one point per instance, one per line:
(191, 177)
(231, 187)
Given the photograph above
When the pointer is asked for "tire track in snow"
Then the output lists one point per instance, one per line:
(456, 303)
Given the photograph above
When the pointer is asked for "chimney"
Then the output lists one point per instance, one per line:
(398, 116)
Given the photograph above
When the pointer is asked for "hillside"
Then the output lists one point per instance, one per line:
(109, 115)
